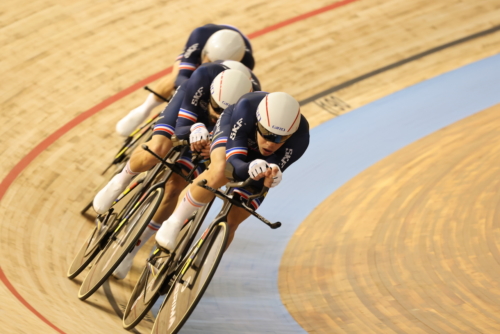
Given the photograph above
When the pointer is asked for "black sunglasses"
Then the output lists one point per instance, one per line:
(218, 110)
(269, 136)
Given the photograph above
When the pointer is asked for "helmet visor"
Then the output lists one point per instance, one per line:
(269, 136)
(218, 110)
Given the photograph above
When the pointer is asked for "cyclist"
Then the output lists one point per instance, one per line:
(258, 137)
(208, 43)
(192, 113)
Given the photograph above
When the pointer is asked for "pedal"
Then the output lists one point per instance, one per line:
(161, 249)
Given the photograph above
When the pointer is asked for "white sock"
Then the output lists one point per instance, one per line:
(126, 175)
(146, 235)
(186, 208)
(150, 103)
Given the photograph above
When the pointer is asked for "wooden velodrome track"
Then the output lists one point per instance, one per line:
(61, 59)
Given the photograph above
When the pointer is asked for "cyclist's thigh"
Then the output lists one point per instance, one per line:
(236, 216)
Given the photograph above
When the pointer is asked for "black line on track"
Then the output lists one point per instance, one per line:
(399, 63)
(112, 301)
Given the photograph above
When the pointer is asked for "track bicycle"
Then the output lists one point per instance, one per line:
(159, 268)
(193, 274)
(119, 232)
(106, 223)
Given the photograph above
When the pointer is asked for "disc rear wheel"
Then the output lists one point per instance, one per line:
(192, 280)
(155, 275)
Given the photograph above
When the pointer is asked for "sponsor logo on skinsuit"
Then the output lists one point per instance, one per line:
(190, 50)
(236, 127)
(286, 158)
(197, 96)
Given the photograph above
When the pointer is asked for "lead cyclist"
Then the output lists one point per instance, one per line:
(259, 137)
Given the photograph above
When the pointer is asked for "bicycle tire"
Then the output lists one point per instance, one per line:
(181, 299)
(83, 258)
(183, 245)
(140, 301)
(120, 243)
(89, 249)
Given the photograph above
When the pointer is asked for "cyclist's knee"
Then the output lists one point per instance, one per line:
(216, 177)
(159, 145)
(216, 171)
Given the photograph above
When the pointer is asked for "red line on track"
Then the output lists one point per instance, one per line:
(300, 18)
(35, 152)
(11, 288)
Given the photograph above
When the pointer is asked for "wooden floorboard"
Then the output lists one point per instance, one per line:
(62, 58)
(407, 246)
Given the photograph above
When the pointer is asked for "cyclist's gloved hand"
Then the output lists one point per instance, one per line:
(257, 169)
(275, 174)
(198, 133)
(198, 137)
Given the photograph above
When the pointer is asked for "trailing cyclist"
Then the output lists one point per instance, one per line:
(208, 43)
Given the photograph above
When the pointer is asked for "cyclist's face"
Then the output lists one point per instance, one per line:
(267, 148)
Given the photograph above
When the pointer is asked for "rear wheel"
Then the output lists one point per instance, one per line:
(142, 298)
(192, 280)
(158, 269)
(120, 243)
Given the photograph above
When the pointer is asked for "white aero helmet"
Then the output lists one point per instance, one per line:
(236, 65)
(225, 44)
(227, 88)
(278, 117)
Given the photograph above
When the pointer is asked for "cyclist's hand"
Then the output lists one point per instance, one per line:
(273, 176)
(198, 137)
(205, 151)
(257, 169)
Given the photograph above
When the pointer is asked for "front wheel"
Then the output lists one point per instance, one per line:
(91, 246)
(192, 280)
(120, 243)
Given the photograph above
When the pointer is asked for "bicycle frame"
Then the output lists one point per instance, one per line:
(229, 201)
